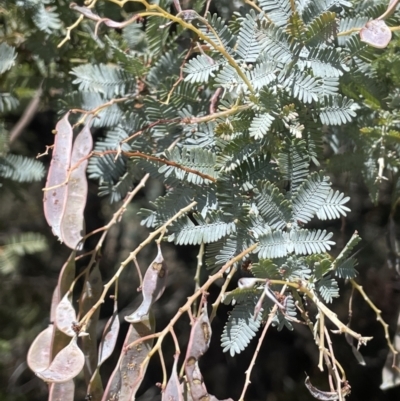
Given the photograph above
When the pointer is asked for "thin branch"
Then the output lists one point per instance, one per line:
(198, 271)
(378, 313)
(27, 115)
(156, 159)
(222, 293)
(259, 344)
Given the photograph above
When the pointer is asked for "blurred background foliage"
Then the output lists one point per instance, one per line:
(32, 93)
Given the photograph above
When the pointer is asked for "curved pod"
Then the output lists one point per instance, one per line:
(72, 223)
(55, 197)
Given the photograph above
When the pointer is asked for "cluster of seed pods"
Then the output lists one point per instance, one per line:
(66, 186)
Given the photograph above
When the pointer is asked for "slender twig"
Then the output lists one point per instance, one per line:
(27, 115)
(337, 379)
(198, 271)
(164, 369)
(157, 159)
(176, 342)
(321, 346)
(259, 344)
(222, 293)
(378, 313)
(139, 272)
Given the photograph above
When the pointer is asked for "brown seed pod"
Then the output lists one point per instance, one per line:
(67, 364)
(173, 391)
(62, 391)
(54, 198)
(66, 316)
(376, 33)
(72, 223)
(40, 351)
(154, 283)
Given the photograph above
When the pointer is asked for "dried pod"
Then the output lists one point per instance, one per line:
(109, 337)
(65, 279)
(173, 391)
(153, 287)
(62, 391)
(92, 290)
(130, 370)
(200, 336)
(39, 353)
(72, 223)
(198, 390)
(325, 395)
(376, 33)
(67, 364)
(65, 316)
(54, 198)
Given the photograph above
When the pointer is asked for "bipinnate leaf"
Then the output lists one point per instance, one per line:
(65, 316)
(62, 391)
(72, 222)
(173, 391)
(154, 282)
(39, 353)
(54, 198)
(109, 337)
(376, 33)
(240, 328)
(67, 364)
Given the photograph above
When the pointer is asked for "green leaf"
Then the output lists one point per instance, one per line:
(240, 328)
(279, 11)
(109, 80)
(337, 110)
(20, 168)
(328, 289)
(272, 205)
(307, 242)
(333, 206)
(210, 229)
(7, 57)
(19, 245)
(310, 197)
(248, 46)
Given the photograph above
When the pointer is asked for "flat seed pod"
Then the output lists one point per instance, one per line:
(67, 364)
(65, 279)
(62, 391)
(39, 353)
(54, 198)
(376, 33)
(319, 394)
(154, 282)
(113, 388)
(90, 295)
(110, 336)
(65, 316)
(173, 391)
(127, 377)
(72, 223)
(132, 359)
(200, 337)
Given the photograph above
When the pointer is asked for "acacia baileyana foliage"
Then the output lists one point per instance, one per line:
(231, 117)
